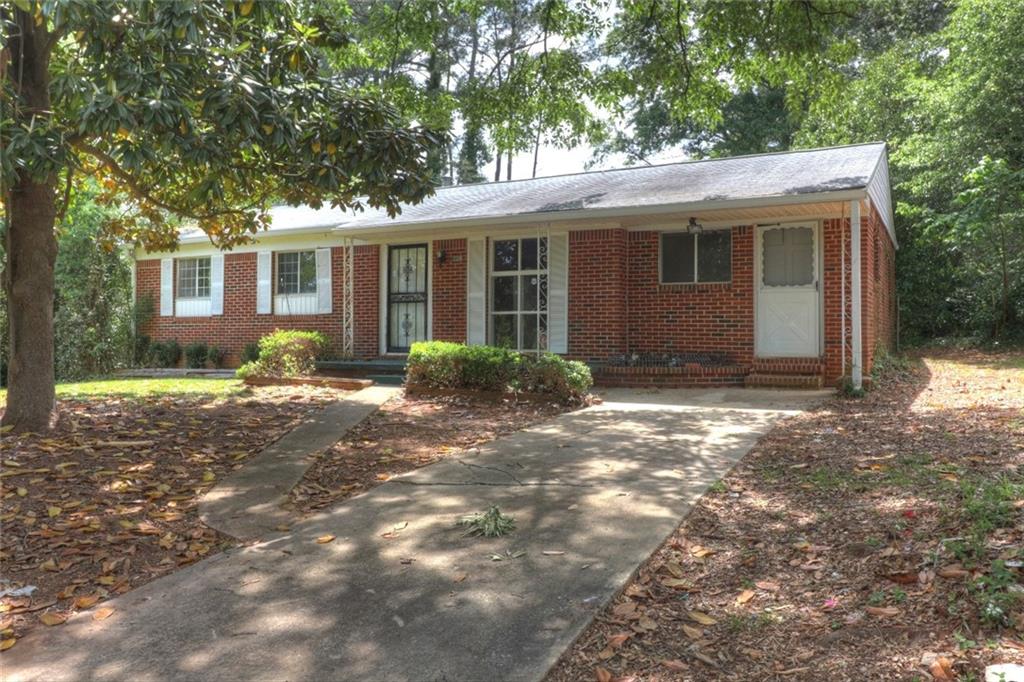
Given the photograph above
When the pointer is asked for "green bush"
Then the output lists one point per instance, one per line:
(441, 364)
(166, 353)
(250, 352)
(550, 373)
(215, 356)
(195, 355)
(286, 353)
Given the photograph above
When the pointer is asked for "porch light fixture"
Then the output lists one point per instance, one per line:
(694, 227)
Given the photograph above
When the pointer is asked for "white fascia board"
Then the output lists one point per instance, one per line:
(293, 240)
(606, 213)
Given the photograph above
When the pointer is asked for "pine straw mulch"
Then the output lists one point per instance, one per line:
(407, 433)
(107, 501)
(871, 539)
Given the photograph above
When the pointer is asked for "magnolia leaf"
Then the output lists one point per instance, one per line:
(324, 539)
(53, 618)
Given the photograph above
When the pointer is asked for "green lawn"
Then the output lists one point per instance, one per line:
(144, 388)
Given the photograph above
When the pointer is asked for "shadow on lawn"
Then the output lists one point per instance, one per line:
(831, 505)
(400, 594)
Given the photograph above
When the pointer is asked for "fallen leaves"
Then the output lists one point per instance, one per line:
(53, 618)
(324, 539)
(882, 611)
(103, 613)
(108, 499)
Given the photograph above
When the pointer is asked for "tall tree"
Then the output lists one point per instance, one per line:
(204, 110)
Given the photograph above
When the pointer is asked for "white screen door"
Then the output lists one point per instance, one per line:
(787, 289)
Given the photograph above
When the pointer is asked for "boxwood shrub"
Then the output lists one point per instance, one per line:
(442, 364)
(195, 355)
(286, 353)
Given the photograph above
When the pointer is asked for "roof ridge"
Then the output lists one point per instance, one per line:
(491, 183)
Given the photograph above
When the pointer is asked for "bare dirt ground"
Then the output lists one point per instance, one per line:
(107, 501)
(872, 539)
(407, 433)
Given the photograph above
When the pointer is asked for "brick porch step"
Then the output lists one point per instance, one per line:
(789, 366)
(775, 380)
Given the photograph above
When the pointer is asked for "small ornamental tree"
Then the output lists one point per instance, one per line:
(206, 111)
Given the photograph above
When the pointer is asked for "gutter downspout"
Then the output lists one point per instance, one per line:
(856, 340)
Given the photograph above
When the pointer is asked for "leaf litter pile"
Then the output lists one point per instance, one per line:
(871, 539)
(107, 501)
(406, 433)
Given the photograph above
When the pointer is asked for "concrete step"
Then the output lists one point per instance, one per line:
(387, 379)
(762, 380)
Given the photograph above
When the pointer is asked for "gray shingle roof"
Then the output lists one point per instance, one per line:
(786, 174)
(692, 184)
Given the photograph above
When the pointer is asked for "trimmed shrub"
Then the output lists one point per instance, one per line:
(250, 352)
(286, 353)
(195, 355)
(570, 380)
(441, 364)
(215, 356)
(166, 353)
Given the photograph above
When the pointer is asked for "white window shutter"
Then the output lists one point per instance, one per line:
(263, 282)
(476, 290)
(166, 287)
(323, 281)
(558, 293)
(217, 284)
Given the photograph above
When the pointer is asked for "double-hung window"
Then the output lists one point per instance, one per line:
(296, 272)
(694, 258)
(519, 293)
(193, 278)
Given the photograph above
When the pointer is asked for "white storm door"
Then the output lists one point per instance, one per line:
(787, 289)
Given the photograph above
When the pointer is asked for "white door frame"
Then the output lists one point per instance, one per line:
(819, 262)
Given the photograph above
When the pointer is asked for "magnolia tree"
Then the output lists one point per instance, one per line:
(207, 111)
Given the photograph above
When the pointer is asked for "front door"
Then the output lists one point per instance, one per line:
(407, 296)
(787, 287)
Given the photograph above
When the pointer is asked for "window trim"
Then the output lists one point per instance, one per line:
(516, 274)
(696, 256)
(276, 274)
(209, 279)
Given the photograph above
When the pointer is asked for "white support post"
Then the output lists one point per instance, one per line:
(856, 331)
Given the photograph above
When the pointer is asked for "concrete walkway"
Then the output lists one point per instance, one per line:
(400, 594)
(247, 504)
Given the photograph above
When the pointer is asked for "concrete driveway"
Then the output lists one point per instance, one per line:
(400, 594)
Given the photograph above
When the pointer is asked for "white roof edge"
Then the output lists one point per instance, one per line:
(656, 209)
(886, 211)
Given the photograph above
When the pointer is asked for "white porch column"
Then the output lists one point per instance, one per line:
(856, 330)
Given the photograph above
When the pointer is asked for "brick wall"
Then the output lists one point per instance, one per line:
(666, 318)
(598, 274)
(878, 297)
(240, 324)
(616, 303)
(448, 291)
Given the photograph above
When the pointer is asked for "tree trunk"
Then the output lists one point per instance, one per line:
(31, 247)
(497, 165)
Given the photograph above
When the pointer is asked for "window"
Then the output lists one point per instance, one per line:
(194, 277)
(788, 257)
(296, 272)
(688, 258)
(519, 293)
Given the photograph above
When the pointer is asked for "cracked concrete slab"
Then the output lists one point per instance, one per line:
(401, 594)
(247, 504)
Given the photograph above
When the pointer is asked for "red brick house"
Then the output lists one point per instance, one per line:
(764, 269)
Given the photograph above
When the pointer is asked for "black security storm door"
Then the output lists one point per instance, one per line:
(407, 296)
